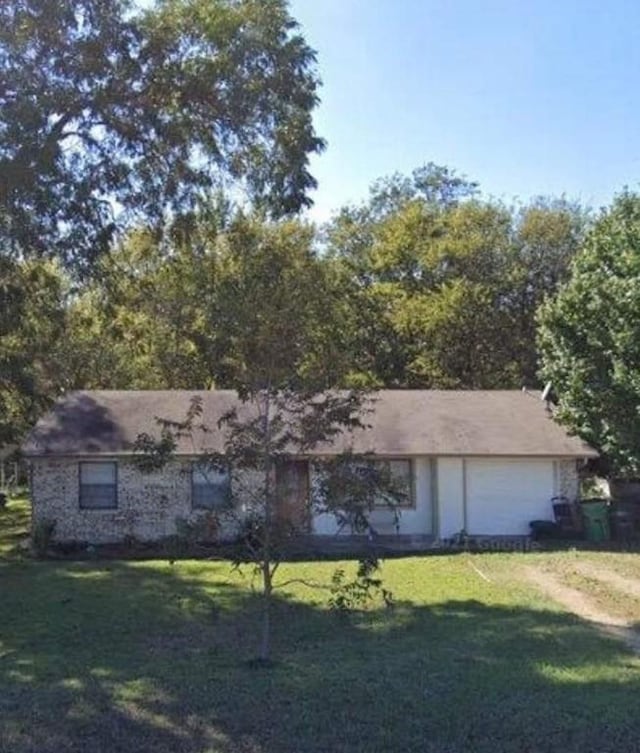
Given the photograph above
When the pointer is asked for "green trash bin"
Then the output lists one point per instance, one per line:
(596, 519)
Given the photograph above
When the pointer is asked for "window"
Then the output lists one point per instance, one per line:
(210, 488)
(399, 474)
(98, 486)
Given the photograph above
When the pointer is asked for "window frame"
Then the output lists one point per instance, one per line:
(206, 508)
(83, 506)
(411, 503)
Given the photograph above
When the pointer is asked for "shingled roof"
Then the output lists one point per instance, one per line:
(403, 422)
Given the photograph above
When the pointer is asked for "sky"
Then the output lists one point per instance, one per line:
(528, 97)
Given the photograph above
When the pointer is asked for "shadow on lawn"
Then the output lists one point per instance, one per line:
(119, 657)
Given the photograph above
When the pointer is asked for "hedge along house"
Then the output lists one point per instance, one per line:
(487, 462)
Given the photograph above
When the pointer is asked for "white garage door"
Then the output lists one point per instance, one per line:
(503, 496)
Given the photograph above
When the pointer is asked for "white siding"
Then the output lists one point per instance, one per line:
(415, 520)
(450, 485)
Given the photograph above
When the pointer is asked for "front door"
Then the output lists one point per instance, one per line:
(292, 494)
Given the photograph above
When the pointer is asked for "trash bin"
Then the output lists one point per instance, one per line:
(544, 529)
(596, 519)
(622, 518)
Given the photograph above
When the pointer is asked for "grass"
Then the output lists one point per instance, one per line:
(146, 656)
(616, 601)
(14, 526)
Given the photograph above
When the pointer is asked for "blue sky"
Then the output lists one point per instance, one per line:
(528, 97)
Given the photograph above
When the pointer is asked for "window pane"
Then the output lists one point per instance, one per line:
(209, 497)
(98, 485)
(97, 473)
(98, 496)
(207, 476)
(401, 470)
(400, 478)
(210, 489)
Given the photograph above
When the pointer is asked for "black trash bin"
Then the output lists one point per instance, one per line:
(544, 529)
(623, 517)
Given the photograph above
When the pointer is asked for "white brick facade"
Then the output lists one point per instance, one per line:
(568, 479)
(147, 503)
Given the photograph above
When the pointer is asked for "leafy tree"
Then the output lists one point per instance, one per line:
(547, 234)
(159, 316)
(436, 185)
(427, 288)
(110, 114)
(272, 341)
(444, 285)
(33, 297)
(274, 315)
(138, 324)
(451, 304)
(352, 234)
(270, 428)
(589, 339)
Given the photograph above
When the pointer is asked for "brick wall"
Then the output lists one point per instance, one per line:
(568, 479)
(148, 503)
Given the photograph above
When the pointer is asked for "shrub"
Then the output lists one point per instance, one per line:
(131, 542)
(356, 594)
(43, 532)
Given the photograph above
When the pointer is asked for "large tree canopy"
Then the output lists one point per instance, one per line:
(109, 114)
(429, 285)
(589, 338)
(32, 316)
(237, 296)
(445, 284)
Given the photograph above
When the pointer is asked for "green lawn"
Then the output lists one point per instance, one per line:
(145, 656)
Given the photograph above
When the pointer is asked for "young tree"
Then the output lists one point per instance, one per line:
(263, 437)
(110, 113)
(272, 341)
(589, 339)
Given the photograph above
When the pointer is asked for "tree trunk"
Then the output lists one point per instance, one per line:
(265, 644)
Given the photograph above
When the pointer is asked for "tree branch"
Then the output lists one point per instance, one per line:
(303, 582)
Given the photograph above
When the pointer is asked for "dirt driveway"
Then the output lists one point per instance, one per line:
(584, 606)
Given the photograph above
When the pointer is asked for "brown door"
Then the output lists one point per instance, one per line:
(292, 494)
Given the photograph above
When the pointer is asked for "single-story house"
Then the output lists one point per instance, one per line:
(486, 462)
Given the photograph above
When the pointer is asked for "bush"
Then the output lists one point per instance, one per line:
(356, 594)
(43, 532)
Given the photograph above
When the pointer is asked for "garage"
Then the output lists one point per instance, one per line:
(503, 496)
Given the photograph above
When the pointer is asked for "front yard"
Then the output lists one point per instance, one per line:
(149, 656)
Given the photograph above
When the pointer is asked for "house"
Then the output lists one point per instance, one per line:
(487, 462)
